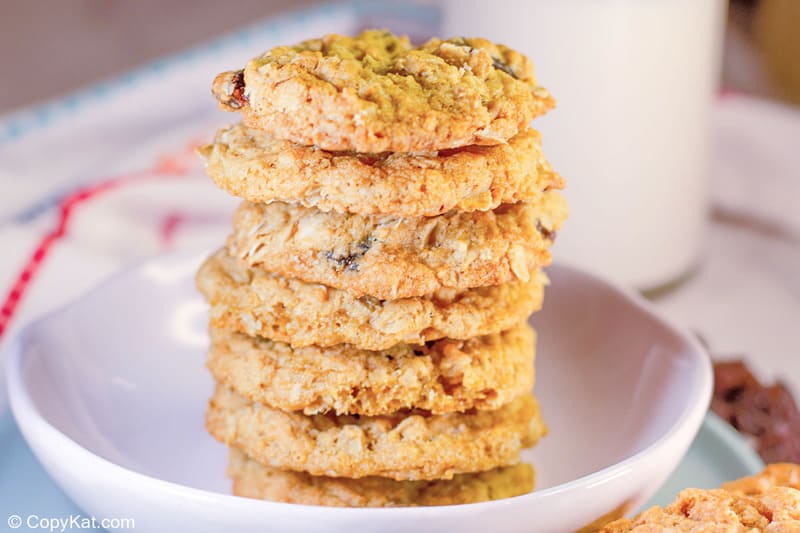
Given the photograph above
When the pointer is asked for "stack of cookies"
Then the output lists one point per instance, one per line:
(368, 318)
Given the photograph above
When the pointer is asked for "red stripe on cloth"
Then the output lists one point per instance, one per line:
(166, 166)
(169, 225)
(175, 220)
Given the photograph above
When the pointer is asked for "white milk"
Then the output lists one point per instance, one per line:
(634, 81)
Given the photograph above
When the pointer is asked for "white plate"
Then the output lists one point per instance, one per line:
(110, 394)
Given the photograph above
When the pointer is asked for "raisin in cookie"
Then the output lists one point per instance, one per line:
(442, 376)
(407, 445)
(251, 479)
(253, 165)
(398, 257)
(257, 303)
(377, 93)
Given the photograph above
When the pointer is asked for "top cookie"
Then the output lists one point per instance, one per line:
(377, 93)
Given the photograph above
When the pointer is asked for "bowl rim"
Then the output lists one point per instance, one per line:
(36, 428)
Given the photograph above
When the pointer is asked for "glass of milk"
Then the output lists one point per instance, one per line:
(634, 81)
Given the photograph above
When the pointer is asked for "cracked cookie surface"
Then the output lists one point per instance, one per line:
(254, 480)
(253, 165)
(398, 257)
(377, 93)
(442, 376)
(407, 445)
(257, 303)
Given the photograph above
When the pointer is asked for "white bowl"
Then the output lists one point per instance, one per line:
(110, 394)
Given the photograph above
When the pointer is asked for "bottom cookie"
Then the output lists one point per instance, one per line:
(253, 480)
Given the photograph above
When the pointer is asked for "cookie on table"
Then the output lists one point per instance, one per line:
(391, 257)
(776, 509)
(407, 445)
(253, 165)
(257, 303)
(251, 479)
(378, 93)
(774, 475)
(442, 376)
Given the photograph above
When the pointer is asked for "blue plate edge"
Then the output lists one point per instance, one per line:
(716, 443)
(732, 438)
